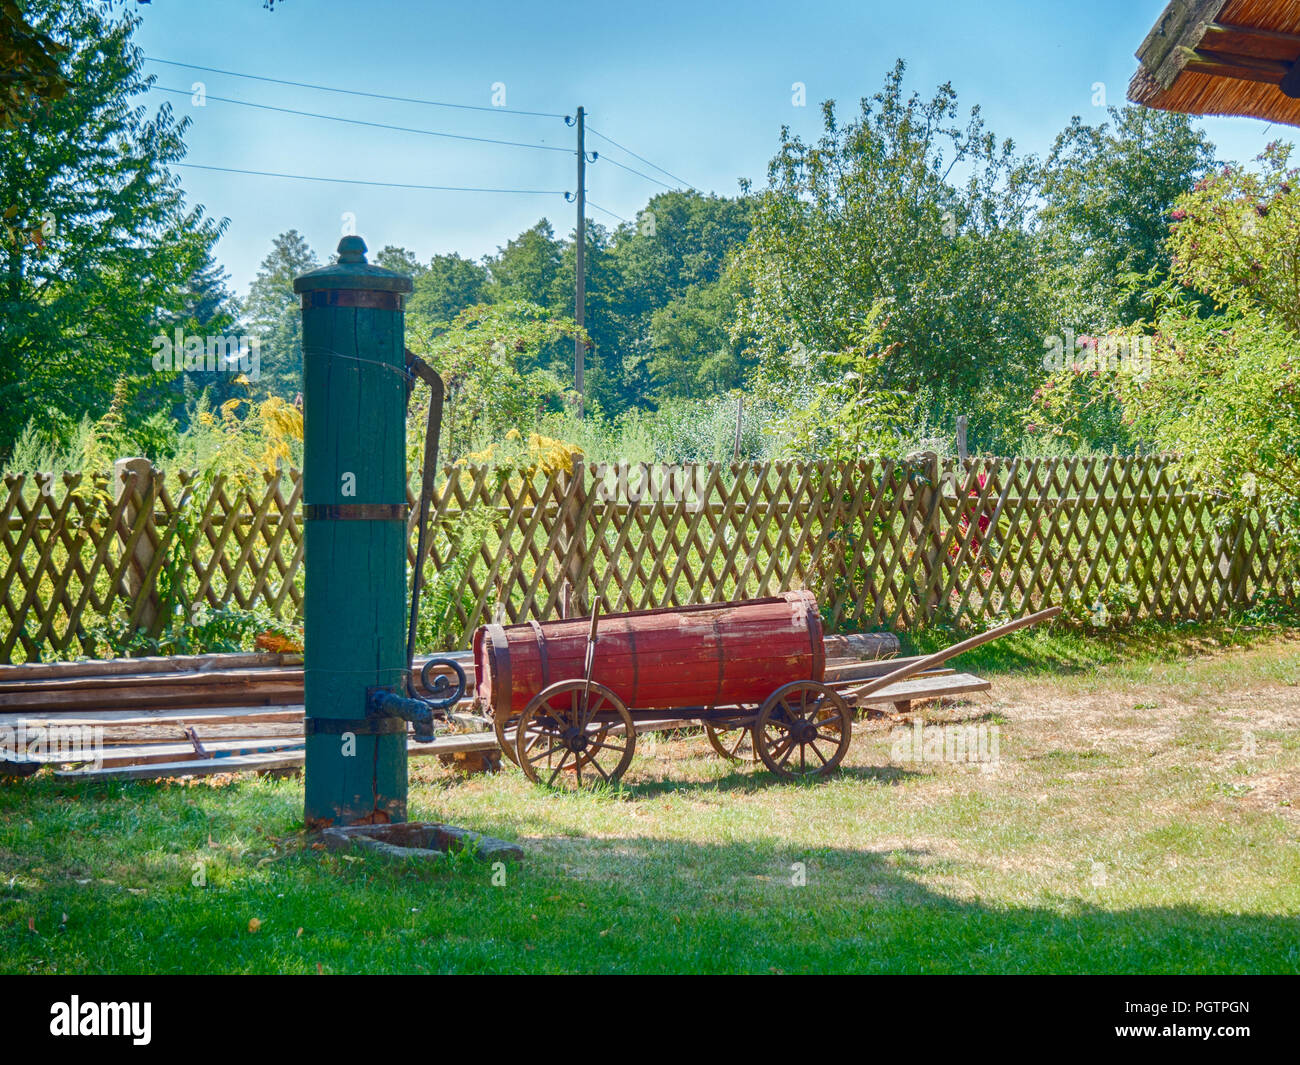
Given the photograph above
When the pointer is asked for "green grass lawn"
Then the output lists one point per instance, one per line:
(1139, 818)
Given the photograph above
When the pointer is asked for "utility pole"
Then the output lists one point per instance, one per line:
(580, 257)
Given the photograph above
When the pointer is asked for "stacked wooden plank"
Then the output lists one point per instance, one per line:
(202, 715)
(175, 683)
(157, 717)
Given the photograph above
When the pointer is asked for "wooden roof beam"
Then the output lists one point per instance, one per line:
(1253, 33)
(1286, 76)
(1176, 34)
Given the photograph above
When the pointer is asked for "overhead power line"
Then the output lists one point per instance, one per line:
(355, 92)
(653, 166)
(592, 203)
(382, 184)
(365, 122)
(630, 170)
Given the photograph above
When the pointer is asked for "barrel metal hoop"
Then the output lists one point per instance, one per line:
(501, 680)
(374, 299)
(541, 652)
(814, 622)
(360, 726)
(355, 511)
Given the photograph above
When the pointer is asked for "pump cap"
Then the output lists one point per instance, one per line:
(353, 272)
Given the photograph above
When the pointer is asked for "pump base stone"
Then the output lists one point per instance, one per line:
(419, 840)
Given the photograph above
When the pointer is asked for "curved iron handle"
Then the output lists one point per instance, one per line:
(417, 367)
(439, 685)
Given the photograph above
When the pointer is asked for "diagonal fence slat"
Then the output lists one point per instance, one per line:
(883, 542)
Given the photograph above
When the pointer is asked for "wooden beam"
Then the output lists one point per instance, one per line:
(1247, 63)
(920, 665)
(1239, 67)
(1180, 26)
(1220, 70)
(1255, 33)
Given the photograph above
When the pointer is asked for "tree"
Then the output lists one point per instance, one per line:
(692, 351)
(1236, 237)
(29, 67)
(110, 242)
(400, 261)
(680, 239)
(444, 288)
(489, 361)
(871, 216)
(1108, 191)
(525, 270)
(274, 314)
(1224, 389)
(672, 299)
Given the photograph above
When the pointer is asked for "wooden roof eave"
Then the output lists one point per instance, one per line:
(1194, 61)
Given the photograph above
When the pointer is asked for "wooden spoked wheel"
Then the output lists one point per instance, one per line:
(499, 725)
(735, 743)
(573, 734)
(803, 730)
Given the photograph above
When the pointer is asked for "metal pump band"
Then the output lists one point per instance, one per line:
(360, 726)
(355, 511)
(374, 299)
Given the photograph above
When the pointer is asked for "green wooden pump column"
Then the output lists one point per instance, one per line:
(354, 504)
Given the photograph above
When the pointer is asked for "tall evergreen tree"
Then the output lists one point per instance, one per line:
(274, 315)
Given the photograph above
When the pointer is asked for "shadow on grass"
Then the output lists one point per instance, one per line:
(779, 907)
(757, 778)
(107, 887)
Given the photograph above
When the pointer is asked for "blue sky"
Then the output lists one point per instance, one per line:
(698, 88)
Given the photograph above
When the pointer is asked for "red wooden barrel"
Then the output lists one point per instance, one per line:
(716, 654)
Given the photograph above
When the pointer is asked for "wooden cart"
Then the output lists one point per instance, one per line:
(566, 697)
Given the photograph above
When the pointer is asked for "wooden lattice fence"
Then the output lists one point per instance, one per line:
(882, 543)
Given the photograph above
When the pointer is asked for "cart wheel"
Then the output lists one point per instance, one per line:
(735, 743)
(565, 736)
(803, 730)
(499, 725)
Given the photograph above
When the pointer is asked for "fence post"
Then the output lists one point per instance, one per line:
(135, 475)
(929, 541)
(1238, 571)
(573, 538)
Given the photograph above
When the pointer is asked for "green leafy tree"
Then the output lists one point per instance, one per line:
(1236, 237)
(527, 268)
(110, 242)
(208, 308)
(692, 350)
(872, 216)
(448, 285)
(671, 299)
(841, 408)
(489, 360)
(1108, 193)
(400, 261)
(1225, 393)
(274, 313)
(29, 66)
(1224, 389)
